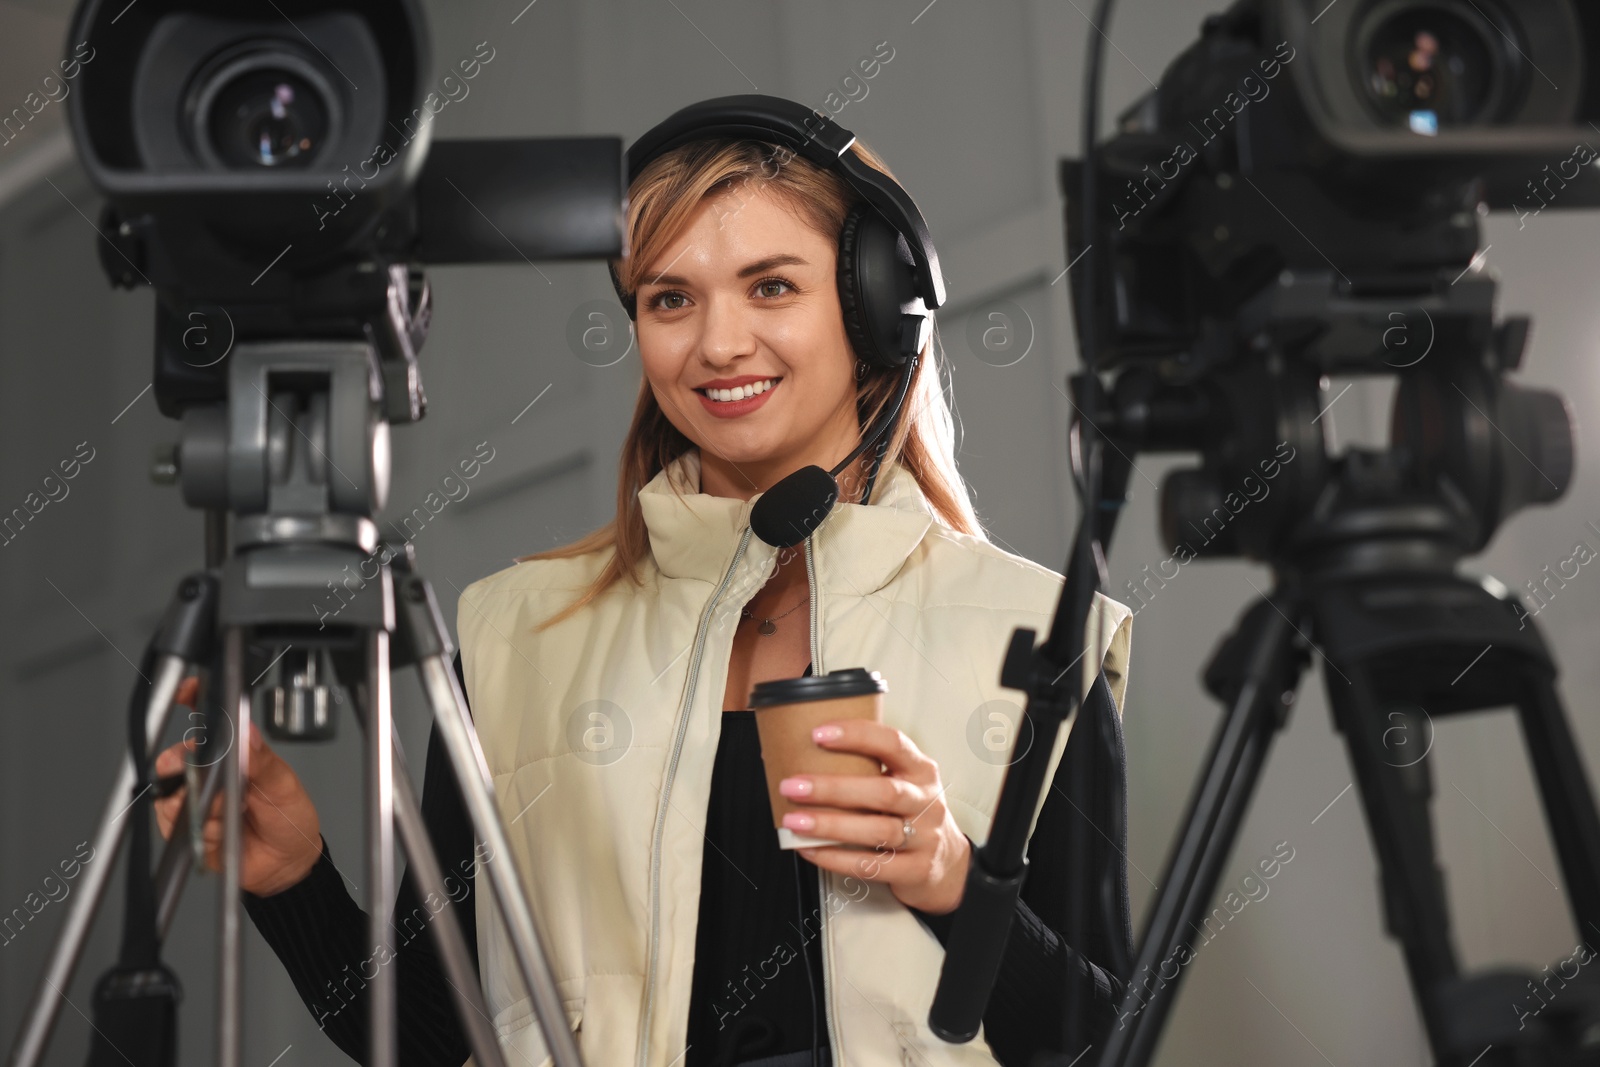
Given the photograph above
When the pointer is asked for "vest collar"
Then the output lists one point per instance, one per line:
(696, 534)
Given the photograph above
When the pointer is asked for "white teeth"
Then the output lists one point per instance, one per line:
(742, 392)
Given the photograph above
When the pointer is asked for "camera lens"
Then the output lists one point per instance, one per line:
(264, 109)
(1430, 65)
(268, 118)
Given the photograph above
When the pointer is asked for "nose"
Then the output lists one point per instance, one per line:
(726, 334)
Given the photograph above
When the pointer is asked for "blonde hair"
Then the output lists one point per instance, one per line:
(660, 202)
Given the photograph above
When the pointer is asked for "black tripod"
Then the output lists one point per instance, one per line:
(1365, 548)
(1393, 645)
(298, 452)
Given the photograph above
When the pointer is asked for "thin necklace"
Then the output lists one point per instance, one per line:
(768, 627)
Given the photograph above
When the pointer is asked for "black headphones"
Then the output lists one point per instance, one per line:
(888, 274)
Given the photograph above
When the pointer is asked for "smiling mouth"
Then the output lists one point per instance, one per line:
(743, 392)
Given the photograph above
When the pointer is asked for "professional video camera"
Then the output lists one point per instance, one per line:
(1300, 198)
(270, 174)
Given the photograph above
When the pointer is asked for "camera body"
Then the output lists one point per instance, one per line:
(277, 179)
(225, 135)
(1364, 135)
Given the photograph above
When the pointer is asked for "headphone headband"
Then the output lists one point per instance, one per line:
(812, 135)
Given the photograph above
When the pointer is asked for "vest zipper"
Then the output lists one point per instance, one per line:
(817, 668)
(816, 625)
(666, 790)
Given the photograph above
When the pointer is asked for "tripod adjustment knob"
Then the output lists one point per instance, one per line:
(164, 464)
(299, 704)
(300, 713)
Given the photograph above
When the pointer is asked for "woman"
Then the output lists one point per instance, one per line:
(637, 807)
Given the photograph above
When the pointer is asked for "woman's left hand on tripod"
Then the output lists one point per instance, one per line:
(282, 838)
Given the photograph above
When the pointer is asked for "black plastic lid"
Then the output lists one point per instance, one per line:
(850, 682)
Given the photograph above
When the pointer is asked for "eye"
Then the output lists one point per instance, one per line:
(774, 280)
(655, 302)
(658, 302)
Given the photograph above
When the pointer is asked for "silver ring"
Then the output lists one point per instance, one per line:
(907, 832)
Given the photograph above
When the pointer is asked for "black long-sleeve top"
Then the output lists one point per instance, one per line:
(754, 897)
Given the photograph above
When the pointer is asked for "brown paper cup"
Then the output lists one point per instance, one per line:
(787, 710)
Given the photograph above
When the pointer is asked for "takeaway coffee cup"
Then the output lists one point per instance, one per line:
(786, 710)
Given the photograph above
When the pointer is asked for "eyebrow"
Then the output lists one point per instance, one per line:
(783, 259)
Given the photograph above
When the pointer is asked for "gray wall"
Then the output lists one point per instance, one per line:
(973, 111)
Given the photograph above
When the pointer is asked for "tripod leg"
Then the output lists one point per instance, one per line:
(172, 872)
(421, 632)
(380, 781)
(1395, 800)
(177, 858)
(39, 1018)
(472, 775)
(1268, 666)
(230, 992)
(446, 930)
(1569, 805)
(447, 934)
(1230, 816)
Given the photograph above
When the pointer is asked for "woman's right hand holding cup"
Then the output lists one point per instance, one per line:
(281, 838)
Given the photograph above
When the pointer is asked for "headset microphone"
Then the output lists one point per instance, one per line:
(792, 509)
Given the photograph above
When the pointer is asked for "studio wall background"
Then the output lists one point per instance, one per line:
(972, 113)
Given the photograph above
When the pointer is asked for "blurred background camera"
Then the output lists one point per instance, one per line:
(1301, 198)
(1308, 181)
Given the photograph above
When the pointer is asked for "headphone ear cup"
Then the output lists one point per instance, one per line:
(877, 289)
(630, 302)
(851, 299)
